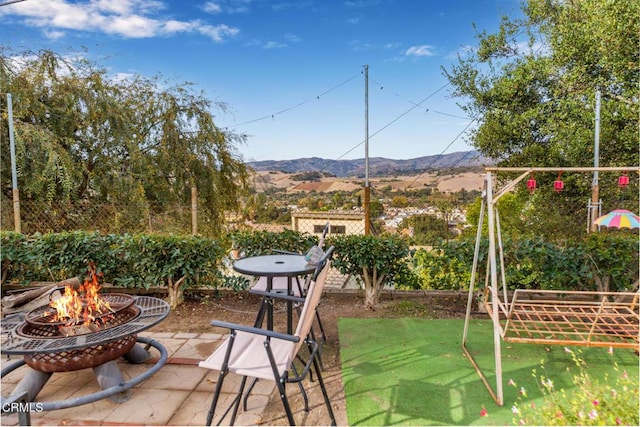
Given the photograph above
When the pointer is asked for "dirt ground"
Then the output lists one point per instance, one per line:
(196, 313)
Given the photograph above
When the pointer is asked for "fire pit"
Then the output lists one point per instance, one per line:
(41, 322)
(62, 345)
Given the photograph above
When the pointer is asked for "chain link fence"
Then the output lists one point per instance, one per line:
(106, 218)
(163, 219)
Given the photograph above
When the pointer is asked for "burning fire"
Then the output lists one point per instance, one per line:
(82, 306)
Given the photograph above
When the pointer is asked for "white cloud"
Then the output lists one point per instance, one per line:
(292, 37)
(358, 45)
(124, 18)
(54, 34)
(274, 45)
(134, 26)
(212, 7)
(218, 33)
(463, 52)
(422, 50)
(227, 6)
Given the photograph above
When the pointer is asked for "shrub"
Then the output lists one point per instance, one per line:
(375, 260)
(612, 401)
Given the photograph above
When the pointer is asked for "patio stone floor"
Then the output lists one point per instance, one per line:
(178, 394)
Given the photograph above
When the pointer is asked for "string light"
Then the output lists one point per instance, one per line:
(558, 185)
(531, 184)
(623, 181)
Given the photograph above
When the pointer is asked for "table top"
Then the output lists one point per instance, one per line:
(279, 265)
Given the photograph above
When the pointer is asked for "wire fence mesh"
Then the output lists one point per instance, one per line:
(61, 217)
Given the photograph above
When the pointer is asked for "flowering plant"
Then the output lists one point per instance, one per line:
(612, 401)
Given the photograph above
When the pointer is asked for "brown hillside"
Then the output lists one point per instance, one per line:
(445, 183)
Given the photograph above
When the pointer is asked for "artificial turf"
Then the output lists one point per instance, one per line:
(413, 372)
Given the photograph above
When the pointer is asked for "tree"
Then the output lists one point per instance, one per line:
(534, 101)
(83, 135)
(400, 202)
(376, 260)
(427, 229)
(376, 208)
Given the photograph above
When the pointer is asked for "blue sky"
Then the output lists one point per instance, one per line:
(290, 71)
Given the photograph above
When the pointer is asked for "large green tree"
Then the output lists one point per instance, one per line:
(83, 134)
(532, 87)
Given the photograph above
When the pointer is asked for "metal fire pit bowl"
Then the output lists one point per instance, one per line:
(45, 315)
(23, 338)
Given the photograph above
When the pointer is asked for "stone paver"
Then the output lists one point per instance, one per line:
(175, 377)
(179, 393)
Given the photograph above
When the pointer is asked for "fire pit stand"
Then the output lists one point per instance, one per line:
(46, 353)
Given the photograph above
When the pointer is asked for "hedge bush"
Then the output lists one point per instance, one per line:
(128, 261)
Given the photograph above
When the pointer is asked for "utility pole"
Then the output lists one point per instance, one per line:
(14, 174)
(595, 188)
(367, 190)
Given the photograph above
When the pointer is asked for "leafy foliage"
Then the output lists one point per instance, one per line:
(531, 86)
(82, 135)
(254, 243)
(446, 267)
(375, 260)
(131, 261)
(603, 262)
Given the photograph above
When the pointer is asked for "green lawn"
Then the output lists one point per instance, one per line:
(413, 371)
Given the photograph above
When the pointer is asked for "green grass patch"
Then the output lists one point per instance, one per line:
(413, 372)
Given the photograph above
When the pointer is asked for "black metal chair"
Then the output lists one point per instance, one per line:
(259, 353)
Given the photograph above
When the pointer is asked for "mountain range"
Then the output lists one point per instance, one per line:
(378, 166)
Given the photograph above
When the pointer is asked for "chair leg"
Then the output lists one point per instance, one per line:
(246, 395)
(324, 336)
(237, 400)
(324, 392)
(285, 401)
(234, 404)
(302, 390)
(261, 312)
(216, 396)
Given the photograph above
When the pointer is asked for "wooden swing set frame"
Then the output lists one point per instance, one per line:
(573, 318)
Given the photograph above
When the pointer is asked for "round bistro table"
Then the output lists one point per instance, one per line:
(270, 266)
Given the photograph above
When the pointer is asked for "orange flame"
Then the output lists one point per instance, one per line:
(82, 306)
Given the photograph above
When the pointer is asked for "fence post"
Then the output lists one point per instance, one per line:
(194, 210)
(14, 176)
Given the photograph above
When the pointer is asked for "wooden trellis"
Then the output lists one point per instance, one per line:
(594, 319)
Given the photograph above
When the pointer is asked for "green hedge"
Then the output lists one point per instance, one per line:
(602, 261)
(254, 243)
(129, 261)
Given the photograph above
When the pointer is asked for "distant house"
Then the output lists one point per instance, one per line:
(339, 222)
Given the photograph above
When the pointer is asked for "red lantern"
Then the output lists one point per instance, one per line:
(558, 185)
(623, 181)
(531, 185)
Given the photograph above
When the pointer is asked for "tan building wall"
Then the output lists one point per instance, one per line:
(339, 222)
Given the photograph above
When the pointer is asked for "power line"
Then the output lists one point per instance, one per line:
(415, 105)
(272, 116)
(7, 3)
(444, 151)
